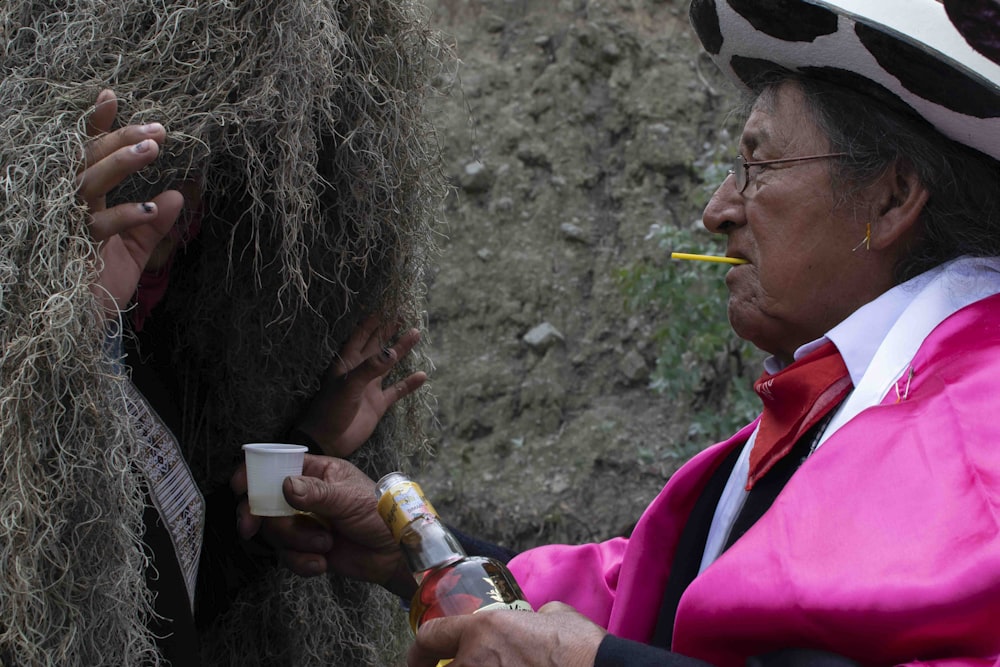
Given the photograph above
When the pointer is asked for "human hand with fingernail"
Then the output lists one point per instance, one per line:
(352, 399)
(127, 233)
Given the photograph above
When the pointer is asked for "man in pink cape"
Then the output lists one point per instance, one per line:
(883, 545)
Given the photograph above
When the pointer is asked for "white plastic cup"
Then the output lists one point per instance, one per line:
(268, 464)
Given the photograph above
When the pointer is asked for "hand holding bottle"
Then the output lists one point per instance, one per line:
(556, 636)
(449, 581)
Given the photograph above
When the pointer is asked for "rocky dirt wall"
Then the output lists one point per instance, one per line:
(569, 129)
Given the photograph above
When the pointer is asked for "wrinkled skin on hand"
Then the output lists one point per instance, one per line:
(343, 532)
(555, 636)
(129, 233)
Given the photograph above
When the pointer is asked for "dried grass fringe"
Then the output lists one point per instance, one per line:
(303, 121)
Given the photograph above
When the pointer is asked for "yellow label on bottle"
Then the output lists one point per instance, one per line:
(401, 504)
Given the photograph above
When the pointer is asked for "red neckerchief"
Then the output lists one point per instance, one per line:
(795, 398)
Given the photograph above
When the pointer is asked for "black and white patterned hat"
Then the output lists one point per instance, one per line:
(979, 23)
(903, 52)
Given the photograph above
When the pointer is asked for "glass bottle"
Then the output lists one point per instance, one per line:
(449, 581)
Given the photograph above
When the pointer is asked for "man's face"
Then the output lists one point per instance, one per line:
(803, 274)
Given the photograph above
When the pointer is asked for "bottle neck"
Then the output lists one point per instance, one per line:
(426, 544)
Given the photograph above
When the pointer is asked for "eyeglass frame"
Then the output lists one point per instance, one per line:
(742, 166)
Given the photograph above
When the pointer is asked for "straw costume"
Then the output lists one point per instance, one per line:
(300, 123)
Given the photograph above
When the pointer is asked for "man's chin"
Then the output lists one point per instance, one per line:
(746, 323)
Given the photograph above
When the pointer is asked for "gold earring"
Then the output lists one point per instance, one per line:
(867, 240)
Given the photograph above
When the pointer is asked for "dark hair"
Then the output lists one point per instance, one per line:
(962, 215)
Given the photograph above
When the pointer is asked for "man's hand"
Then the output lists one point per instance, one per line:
(556, 636)
(342, 531)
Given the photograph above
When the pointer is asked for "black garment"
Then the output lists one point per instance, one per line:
(173, 626)
(691, 547)
(476, 547)
(618, 652)
(227, 563)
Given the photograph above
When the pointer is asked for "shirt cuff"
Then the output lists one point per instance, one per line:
(617, 652)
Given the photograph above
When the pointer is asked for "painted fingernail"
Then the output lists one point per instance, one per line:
(142, 146)
(148, 207)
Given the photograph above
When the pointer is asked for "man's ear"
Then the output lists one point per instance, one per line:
(900, 199)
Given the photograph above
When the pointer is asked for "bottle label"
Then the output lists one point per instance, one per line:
(516, 605)
(401, 504)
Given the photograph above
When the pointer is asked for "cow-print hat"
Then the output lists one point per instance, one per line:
(906, 53)
(979, 23)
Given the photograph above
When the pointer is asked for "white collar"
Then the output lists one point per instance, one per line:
(859, 337)
(942, 292)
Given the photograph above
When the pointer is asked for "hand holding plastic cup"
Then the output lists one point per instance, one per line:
(268, 464)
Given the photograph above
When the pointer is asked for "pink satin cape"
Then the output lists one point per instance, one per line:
(884, 546)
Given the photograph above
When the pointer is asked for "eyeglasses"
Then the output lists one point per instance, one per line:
(741, 168)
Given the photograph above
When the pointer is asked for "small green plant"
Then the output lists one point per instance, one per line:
(699, 355)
